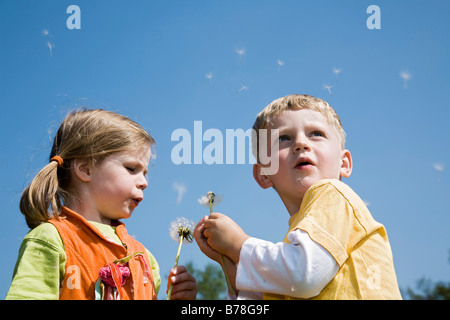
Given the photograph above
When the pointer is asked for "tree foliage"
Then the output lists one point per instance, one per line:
(427, 290)
(210, 281)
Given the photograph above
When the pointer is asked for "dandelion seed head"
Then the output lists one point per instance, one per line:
(182, 227)
(210, 196)
(209, 75)
(45, 32)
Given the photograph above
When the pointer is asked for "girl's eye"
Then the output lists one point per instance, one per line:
(284, 138)
(131, 170)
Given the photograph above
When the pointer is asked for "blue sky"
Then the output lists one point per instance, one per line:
(149, 60)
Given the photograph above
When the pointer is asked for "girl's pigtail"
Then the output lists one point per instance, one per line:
(40, 201)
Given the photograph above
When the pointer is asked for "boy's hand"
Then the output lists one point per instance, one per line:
(202, 243)
(184, 284)
(224, 235)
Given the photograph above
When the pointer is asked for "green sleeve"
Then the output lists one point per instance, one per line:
(155, 269)
(40, 266)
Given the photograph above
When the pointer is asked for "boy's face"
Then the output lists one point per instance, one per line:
(309, 151)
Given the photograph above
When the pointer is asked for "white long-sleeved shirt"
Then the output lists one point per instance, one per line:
(301, 268)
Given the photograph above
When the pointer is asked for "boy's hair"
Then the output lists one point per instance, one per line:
(295, 102)
(84, 134)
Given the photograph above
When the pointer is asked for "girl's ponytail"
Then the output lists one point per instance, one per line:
(40, 201)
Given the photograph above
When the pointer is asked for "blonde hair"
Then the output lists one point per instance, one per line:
(296, 102)
(84, 134)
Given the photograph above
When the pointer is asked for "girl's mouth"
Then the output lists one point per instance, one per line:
(136, 201)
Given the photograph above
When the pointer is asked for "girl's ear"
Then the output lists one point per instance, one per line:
(82, 169)
(263, 180)
(347, 164)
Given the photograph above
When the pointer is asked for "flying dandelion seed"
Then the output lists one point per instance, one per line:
(50, 47)
(280, 64)
(209, 76)
(240, 52)
(406, 76)
(46, 33)
(438, 167)
(328, 88)
(181, 189)
(336, 71)
(243, 88)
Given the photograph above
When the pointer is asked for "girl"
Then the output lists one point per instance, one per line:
(77, 247)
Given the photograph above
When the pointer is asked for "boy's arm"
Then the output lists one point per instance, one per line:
(301, 268)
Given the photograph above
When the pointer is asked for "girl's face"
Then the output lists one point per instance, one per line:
(117, 184)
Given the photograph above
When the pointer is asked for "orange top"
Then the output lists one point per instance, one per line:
(87, 251)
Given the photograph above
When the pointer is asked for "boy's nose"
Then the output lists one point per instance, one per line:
(301, 144)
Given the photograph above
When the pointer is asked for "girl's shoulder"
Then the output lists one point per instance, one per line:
(46, 233)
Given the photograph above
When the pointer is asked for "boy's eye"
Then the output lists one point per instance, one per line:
(284, 138)
(131, 170)
(317, 134)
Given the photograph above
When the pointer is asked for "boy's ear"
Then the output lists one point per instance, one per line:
(263, 180)
(82, 169)
(347, 164)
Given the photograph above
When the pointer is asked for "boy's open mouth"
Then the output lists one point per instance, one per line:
(303, 163)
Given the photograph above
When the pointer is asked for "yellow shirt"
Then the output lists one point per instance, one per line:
(336, 218)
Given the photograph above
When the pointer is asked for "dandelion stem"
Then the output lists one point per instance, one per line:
(225, 269)
(175, 265)
(222, 259)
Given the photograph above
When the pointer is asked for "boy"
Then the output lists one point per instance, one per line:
(334, 249)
